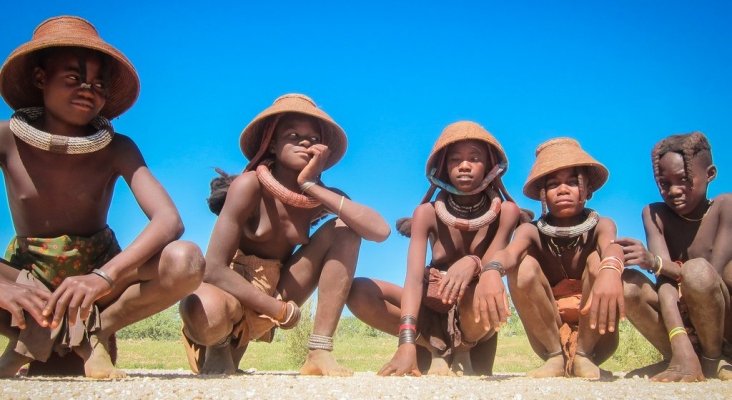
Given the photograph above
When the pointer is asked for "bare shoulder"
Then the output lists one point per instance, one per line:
(245, 184)
(528, 232)
(510, 210)
(604, 224)
(724, 201)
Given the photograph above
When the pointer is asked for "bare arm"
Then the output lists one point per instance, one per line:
(490, 303)
(606, 296)
(366, 222)
(242, 199)
(80, 292)
(404, 360)
(721, 250)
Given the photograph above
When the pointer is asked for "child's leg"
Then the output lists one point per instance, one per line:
(209, 315)
(10, 361)
(585, 361)
(534, 302)
(328, 262)
(151, 288)
(707, 298)
(474, 332)
(376, 303)
(643, 310)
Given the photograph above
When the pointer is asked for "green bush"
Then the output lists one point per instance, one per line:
(352, 327)
(634, 351)
(164, 325)
(296, 339)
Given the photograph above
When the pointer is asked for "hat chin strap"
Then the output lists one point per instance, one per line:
(497, 171)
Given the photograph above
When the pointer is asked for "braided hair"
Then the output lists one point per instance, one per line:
(219, 188)
(688, 145)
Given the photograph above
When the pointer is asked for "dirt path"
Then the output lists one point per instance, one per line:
(160, 384)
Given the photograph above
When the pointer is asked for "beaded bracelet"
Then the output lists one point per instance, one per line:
(495, 266)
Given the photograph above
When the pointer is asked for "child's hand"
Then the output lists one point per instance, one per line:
(403, 363)
(76, 293)
(490, 303)
(319, 154)
(16, 298)
(636, 253)
(605, 301)
(456, 280)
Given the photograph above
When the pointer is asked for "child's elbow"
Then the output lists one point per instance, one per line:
(382, 234)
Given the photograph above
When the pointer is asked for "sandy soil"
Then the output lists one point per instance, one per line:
(159, 384)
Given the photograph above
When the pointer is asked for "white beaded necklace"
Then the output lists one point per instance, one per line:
(19, 124)
(569, 231)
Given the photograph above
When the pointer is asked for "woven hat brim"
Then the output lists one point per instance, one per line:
(598, 175)
(450, 136)
(333, 136)
(16, 75)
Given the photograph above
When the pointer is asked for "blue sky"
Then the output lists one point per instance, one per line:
(618, 76)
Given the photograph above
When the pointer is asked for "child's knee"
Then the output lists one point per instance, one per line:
(527, 276)
(699, 276)
(184, 261)
(361, 291)
(633, 281)
(345, 236)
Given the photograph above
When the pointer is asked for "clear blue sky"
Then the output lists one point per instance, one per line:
(618, 76)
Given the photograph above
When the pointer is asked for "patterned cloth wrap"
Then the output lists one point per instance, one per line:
(45, 262)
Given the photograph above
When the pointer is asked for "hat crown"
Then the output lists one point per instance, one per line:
(559, 144)
(68, 26)
(296, 97)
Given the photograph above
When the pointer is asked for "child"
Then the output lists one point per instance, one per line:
(61, 159)
(466, 224)
(560, 268)
(257, 276)
(687, 314)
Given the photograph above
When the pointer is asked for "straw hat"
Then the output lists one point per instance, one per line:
(16, 76)
(333, 135)
(560, 153)
(458, 131)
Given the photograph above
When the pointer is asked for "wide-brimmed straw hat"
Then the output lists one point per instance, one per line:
(16, 76)
(253, 135)
(456, 132)
(556, 154)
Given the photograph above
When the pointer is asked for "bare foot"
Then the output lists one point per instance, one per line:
(683, 367)
(584, 368)
(11, 362)
(99, 364)
(322, 362)
(461, 364)
(219, 360)
(553, 367)
(439, 366)
(649, 370)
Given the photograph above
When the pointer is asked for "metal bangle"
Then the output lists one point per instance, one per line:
(495, 266)
(103, 275)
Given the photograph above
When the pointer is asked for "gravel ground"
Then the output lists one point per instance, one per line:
(158, 384)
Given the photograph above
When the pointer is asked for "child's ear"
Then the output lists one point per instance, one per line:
(711, 173)
(39, 77)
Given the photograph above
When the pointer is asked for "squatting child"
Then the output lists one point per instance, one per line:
(61, 157)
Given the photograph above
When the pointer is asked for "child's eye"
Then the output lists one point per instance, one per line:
(72, 77)
(99, 85)
(314, 139)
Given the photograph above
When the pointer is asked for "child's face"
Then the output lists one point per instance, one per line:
(563, 197)
(73, 85)
(683, 194)
(292, 138)
(466, 164)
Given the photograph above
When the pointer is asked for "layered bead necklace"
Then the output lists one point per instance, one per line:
(574, 233)
(459, 216)
(284, 194)
(23, 130)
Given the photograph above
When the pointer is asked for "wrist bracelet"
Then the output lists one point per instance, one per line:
(307, 185)
(478, 264)
(495, 266)
(103, 275)
(659, 261)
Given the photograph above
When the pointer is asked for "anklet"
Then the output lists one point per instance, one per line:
(320, 342)
(676, 331)
(583, 354)
(554, 354)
